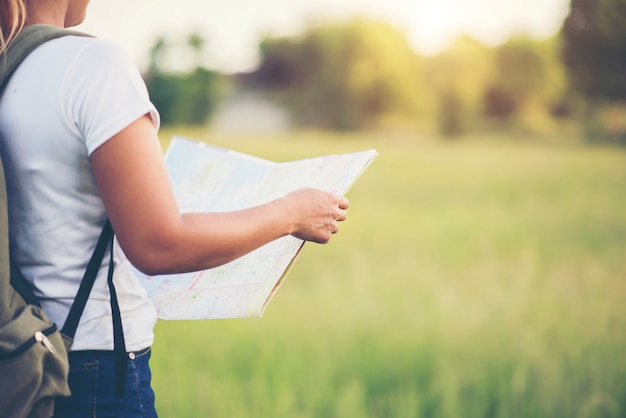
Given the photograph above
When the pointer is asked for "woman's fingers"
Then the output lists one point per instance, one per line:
(343, 203)
(319, 213)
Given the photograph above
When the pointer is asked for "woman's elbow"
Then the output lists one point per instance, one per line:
(152, 257)
(151, 264)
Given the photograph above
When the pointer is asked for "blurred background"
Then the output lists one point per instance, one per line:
(482, 272)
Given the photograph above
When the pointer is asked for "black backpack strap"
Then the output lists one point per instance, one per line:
(89, 278)
(86, 285)
(119, 345)
(21, 286)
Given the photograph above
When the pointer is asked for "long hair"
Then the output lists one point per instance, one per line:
(12, 17)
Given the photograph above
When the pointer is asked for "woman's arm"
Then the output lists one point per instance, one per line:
(135, 187)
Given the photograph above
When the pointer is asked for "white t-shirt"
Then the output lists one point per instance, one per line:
(67, 98)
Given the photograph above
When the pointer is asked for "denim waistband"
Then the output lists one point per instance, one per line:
(96, 353)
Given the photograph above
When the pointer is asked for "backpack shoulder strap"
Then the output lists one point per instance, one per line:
(6, 293)
(29, 38)
(27, 41)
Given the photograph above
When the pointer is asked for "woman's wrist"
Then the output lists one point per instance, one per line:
(286, 214)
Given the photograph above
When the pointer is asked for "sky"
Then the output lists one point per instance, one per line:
(234, 28)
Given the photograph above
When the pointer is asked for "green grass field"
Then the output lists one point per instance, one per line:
(480, 278)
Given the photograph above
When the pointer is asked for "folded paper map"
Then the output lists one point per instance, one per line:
(211, 179)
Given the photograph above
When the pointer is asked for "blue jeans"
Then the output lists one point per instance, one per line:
(92, 382)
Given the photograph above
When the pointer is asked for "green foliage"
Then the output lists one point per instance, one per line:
(519, 84)
(190, 97)
(345, 76)
(185, 98)
(363, 75)
(529, 80)
(456, 81)
(483, 278)
(594, 37)
(594, 41)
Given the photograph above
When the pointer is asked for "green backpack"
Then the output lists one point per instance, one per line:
(33, 352)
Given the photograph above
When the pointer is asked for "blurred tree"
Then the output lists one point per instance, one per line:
(499, 103)
(594, 51)
(594, 37)
(197, 44)
(187, 98)
(157, 53)
(451, 123)
(347, 76)
(528, 82)
(457, 79)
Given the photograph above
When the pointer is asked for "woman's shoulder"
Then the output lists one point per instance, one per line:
(72, 57)
(90, 49)
(86, 60)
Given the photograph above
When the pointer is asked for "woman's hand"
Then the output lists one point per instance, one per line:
(315, 214)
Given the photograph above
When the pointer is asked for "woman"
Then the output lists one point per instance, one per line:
(78, 135)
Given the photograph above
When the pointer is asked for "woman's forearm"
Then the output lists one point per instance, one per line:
(205, 240)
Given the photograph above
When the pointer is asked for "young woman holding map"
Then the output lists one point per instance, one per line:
(78, 136)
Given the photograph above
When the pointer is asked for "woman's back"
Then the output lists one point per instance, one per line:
(66, 99)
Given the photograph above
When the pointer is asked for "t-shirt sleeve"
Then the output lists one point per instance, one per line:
(104, 93)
